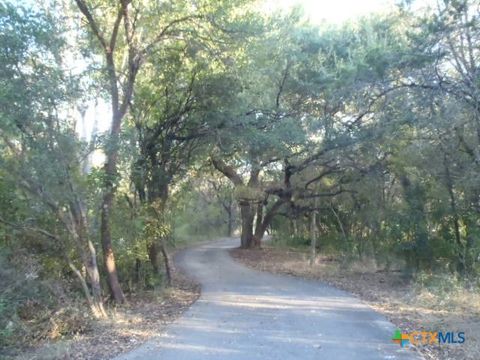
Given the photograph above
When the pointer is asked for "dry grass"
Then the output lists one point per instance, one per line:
(440, 305)
(129, 326)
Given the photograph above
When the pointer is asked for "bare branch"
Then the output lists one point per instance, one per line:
(34, 229)
(228, 171)
(91, 21)
(116, 26)
(165, 31)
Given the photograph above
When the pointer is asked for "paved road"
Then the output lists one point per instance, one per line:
(246, 314)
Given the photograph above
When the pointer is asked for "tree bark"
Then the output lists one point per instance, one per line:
(91, 266)
(110, 176)
(166, 260)
(119, 109)
(93, 300)
(108, 255)
(77, 223)
(247, 214)
(263, 225)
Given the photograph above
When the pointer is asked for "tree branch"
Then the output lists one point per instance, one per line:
(228, 171)
(91, 21)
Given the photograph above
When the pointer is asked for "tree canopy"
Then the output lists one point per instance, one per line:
(223, 120)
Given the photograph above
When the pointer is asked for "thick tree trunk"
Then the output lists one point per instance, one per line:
(246, 210)
(259, 227)
(105, 233)
(108, 255)
(246, 239)
(264, 223)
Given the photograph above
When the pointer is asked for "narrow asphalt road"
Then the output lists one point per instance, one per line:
(246, 314)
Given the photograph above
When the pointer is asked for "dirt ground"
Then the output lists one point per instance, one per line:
(402, 302)
(129, 326)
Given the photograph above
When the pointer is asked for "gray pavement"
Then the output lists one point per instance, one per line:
(246, 314)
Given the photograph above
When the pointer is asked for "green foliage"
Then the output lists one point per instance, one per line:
(158, 222)
(373, 125)
(34, 305)
(200, 211)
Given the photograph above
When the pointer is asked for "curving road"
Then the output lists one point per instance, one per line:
(246, 314)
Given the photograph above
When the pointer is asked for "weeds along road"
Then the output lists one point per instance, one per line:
(246, 314)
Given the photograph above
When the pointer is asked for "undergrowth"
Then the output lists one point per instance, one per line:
(34, 308)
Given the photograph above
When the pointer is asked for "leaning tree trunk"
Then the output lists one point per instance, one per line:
(263, 222)
(77, 225)
(91, 303)
(88, 257)
(94, 277)
(93, 296)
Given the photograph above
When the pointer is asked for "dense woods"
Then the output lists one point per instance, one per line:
(361, 139)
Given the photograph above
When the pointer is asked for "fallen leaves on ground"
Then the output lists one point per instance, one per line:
(142, 318)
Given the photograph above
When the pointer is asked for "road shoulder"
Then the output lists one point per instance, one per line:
(128, 327)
